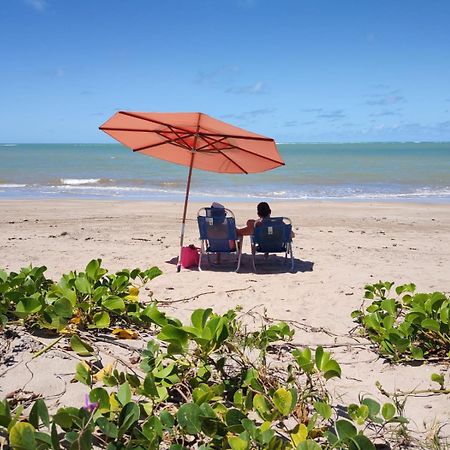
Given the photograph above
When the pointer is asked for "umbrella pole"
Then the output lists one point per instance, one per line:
(183, 222)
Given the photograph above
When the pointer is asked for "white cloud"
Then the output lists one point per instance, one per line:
(38, 5)
(257, 88)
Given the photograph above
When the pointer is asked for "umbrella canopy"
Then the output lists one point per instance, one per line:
(195, 140)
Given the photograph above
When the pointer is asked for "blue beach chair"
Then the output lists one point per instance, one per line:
(217, 228)
(273, 235)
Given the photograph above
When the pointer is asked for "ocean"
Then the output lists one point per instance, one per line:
(367, 171)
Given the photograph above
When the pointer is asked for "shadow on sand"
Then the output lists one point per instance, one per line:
(273, 264)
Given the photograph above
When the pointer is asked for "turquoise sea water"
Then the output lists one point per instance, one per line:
(376, 171)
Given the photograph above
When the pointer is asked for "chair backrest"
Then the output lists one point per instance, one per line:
(217, 226)
(272, 235)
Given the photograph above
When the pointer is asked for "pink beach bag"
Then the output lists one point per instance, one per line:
(189, 256)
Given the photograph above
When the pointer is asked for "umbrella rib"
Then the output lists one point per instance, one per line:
(214, 141)
(232, 161)
(169, 141)
(257, 154)
(137, 116)
(237, 136)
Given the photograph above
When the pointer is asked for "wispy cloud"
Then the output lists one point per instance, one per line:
(248, 115)
(386, 113)
(290, 123)
(220, 77)
(332, 115)
(257, 88)
(388, 100)
(392, 97)
(309, 122)
(86, 93)
(312, 110)
(381, 86)
(37, 5)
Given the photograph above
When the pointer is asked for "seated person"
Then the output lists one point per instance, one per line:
(263, 211)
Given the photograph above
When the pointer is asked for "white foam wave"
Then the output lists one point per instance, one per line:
(79, 181)
(12, 185)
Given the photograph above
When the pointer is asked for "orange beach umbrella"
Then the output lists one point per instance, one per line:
(195, 140)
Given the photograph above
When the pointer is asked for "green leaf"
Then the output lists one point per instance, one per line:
(199, 318)
(166, 419)
(431, 324)
(102, 319)
(83, 373)
(5, 414)
(155, 315)
(374, 407)
(238, 443)
(80, 347)
(300, 433)
(189, 418)
(153, 272)
(262, 406)
(21, 436)
(389, 305)
(63, 307)
(28, 305)
(55, 437)
(94, 271)
(124, 393)
(128, 417)
(175, 335)
(114, 303)
(416, 352)
(234, 417)
(108, 428)
(83, 285)
(388, 411)
(358, 413)
(38, 412)
(438, 378)
(324, 409)
(345, 429)
(309, 445)
(282, 400)
(360, 442)
(101, 397)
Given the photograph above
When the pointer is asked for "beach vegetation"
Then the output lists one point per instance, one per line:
(407, 325)
(93, 299)
(208, 384)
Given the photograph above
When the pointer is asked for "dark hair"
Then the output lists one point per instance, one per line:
(263, 209)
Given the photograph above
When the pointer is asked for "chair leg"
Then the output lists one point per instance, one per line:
(202, 248)
(253, 258)
(239, 255)
(292, 257)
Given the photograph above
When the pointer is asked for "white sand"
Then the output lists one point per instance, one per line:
(339, 248)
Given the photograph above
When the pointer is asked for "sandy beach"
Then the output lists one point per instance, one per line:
(339, 247)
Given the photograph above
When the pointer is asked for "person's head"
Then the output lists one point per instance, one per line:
(263, 210)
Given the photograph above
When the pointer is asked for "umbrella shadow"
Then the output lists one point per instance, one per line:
(272, 265)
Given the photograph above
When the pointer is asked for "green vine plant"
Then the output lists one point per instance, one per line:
(93, 299)
(407, 326)
(210, 384)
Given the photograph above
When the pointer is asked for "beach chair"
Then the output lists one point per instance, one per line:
(273, 235)
(217, 227)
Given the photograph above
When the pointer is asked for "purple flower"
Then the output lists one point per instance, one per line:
(88, 405)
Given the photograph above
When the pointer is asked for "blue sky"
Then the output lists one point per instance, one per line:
(295, 70)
